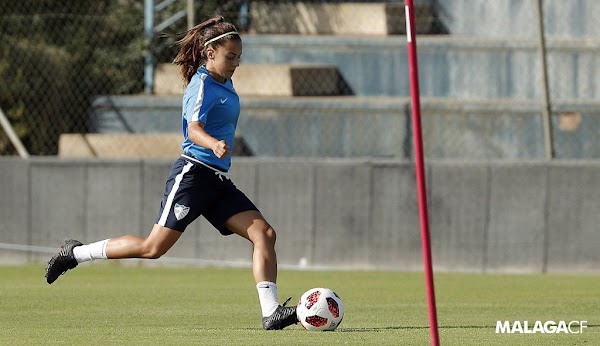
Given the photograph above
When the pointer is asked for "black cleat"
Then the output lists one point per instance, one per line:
(62, 261)
(282, 317)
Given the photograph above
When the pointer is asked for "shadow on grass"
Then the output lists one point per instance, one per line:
(382, 329)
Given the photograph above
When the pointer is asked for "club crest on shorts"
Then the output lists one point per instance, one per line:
(180, 211)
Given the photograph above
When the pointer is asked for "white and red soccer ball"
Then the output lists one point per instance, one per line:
(320, 309)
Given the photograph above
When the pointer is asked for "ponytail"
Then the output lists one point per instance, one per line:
(192, 51)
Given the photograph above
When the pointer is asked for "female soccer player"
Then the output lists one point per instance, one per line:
(199, 183)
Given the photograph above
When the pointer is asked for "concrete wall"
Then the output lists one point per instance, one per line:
(484, 216)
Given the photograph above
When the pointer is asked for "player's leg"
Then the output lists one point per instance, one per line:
(253, 226)
(160, 240)
(178, 210)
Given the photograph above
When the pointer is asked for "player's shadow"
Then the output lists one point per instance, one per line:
(381, 329)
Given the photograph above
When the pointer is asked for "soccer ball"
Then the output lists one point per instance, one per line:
(320, 309)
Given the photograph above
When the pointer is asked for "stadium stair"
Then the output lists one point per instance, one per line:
(340, 18)
(135, 145)
(265, 80)
(464, 78)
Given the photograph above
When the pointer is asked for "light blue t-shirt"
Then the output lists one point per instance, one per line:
(215, 104)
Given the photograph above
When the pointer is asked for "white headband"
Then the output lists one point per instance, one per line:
(220, 36)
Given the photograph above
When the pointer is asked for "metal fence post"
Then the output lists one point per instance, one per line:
(190, 14)
(547, 111)
(149, 32)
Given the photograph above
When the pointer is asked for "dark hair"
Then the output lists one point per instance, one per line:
(192, 52)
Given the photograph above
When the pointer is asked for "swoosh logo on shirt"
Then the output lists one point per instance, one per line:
(223, 100)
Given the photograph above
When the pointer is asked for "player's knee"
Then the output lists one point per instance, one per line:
(153, 252)
(265, 236)
(154, 255)
(271, 235)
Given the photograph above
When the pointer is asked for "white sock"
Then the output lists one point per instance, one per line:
(91, 251)
(267, 295)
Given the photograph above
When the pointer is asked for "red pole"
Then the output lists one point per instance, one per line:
(420, 169)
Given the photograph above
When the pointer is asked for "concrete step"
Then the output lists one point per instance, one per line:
(135, 145)
(167, 80)
(266, 80)
(449, 66)
(287, 80)
(379, 126)
(356, 18)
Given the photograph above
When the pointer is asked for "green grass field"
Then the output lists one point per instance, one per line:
(107, 303)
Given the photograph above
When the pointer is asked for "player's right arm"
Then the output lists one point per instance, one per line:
(198, 135)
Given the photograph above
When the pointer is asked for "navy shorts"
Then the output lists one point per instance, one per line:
(193, 190)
